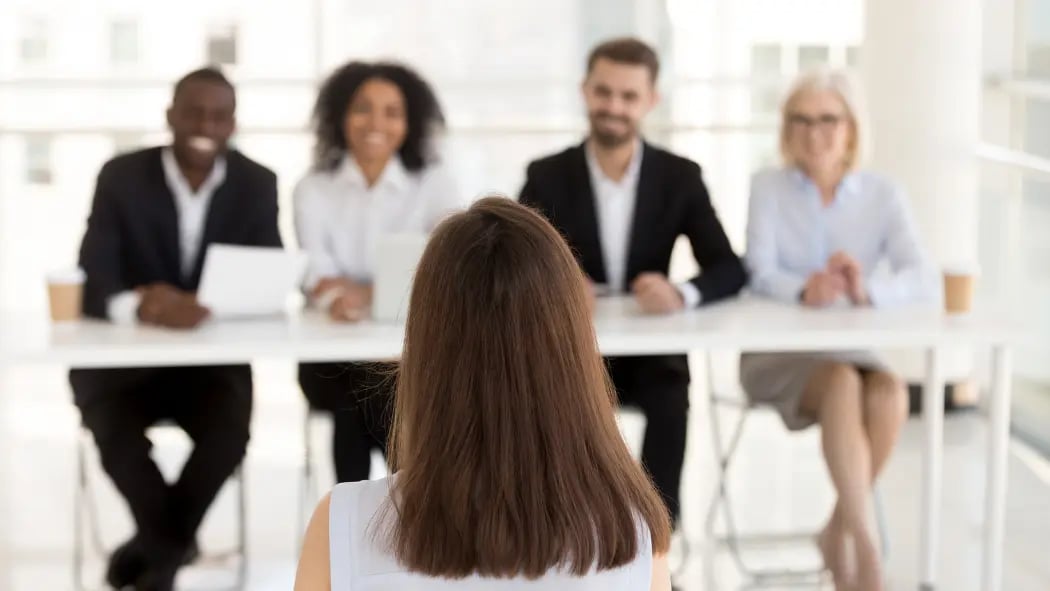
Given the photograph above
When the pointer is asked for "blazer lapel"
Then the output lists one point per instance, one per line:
(220, 211)
(167, 219)
(647, 206)
(588, 242)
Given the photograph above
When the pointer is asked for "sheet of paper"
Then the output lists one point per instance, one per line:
(242, 281)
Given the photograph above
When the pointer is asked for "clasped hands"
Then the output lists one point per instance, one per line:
(842, 276)
(163, 304)
(653, 292)
(345, 300)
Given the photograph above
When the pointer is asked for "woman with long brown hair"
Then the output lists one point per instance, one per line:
(509, 469)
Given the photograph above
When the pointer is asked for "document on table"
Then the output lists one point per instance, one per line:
(240, 281)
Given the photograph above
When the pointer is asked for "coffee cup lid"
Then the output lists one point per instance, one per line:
(961, 268)
(75, 275)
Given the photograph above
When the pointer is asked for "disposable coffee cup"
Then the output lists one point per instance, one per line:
(65, 293)
(959, 289)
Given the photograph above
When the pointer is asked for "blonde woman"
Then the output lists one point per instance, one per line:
(823, 232)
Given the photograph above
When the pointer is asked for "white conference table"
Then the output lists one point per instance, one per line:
(743, 324)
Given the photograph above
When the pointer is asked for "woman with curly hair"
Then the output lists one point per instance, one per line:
(375, 172)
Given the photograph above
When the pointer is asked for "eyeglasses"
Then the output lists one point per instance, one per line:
(825, 123)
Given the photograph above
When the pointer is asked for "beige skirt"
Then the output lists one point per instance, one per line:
(779, 379)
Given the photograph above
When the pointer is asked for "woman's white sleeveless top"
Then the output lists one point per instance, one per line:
(360, 564)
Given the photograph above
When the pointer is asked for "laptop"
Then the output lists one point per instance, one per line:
(396, 259)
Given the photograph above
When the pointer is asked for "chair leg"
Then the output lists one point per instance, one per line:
(85, 516)
(78, 516)
(880, 524)
(723, 457)
(94, 526)
(307, 484)
(724, 453)
(242, 527)
(86, 521)
(721, 499)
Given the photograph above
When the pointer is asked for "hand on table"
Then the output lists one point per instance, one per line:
(331, 283)
(352, 303)
(165, 305)
(656, 295)
(823, 288)
(849, 269)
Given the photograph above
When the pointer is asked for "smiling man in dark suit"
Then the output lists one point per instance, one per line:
(154, 214)
(621, 204)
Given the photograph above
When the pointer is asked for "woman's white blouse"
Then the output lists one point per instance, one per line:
(791, 235)
(339, 218)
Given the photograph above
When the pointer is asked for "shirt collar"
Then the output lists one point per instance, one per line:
(177, 181)
(630, 177)
(849, 185)
(394, 173)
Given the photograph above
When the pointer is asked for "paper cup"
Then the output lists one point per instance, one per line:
(65, 291)
(959, 289)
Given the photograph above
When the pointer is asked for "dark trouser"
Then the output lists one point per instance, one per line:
(212, 404)
(359, 396)
(661, 391)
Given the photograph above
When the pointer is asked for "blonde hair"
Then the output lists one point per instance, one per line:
(845, 86)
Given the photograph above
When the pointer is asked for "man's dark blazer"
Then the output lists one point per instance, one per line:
(671, 201)
(132, 236)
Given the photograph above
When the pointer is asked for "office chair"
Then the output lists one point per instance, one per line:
(308, 478)
(732, 538)
(85, 516)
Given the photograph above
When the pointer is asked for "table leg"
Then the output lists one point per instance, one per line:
(932, 453)
(998, 459)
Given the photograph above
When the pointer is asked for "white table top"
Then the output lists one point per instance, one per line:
(747, 324)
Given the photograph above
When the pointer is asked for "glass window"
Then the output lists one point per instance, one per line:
(222, 45)
(126, 142)
(1037, 39)
(1037, 127)
(766, 60)
(1019, 242)
(124, 42)
(811, 56)
(853, 56)
(33, 45)
(38, 159)
(766, 69)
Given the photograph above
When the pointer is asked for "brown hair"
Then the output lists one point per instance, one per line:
(511, 462)
(626, 50)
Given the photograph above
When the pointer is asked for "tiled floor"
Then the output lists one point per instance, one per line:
(779, 484)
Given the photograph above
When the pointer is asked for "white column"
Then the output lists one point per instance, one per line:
(921, 62)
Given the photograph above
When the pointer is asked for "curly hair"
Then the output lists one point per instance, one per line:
(422, 111)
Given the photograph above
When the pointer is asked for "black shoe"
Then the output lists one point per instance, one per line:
(163, 561)
(160, 572)
(126, 565)
(158, 578)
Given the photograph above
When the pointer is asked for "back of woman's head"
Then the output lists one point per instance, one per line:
(505, 434)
